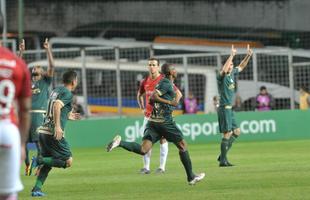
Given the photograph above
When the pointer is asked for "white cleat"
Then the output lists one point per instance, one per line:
(197, 178)
(115, 143)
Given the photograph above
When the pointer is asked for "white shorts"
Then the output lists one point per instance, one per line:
(10, 154)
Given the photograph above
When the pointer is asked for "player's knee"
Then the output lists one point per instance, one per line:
(227, 135)
(237, 131)
(69, 162)
(182, 146)
(163, 141)
(144, 150)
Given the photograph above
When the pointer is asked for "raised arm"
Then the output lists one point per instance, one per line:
(246, 59)
(22, 48)
(225, 67)
(50, 69)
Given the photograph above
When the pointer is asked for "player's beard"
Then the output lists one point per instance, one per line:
(35, 74)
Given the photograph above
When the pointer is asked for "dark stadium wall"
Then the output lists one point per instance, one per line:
(271, 125)
(62, 16)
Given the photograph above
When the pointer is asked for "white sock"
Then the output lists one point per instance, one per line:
(163, 155)
(147, 160)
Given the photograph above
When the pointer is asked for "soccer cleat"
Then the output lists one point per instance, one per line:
(33, 164)
(197, 178)
(219, 158)
(115, 143)
(160, 171)
(27, 170)
(37, 193)
(145, 171)
(225, 164)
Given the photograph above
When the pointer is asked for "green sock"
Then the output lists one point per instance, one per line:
(131, 146)
(232, 138)
(52, 162)
(224, 149)
(41, 177)
(187, 163)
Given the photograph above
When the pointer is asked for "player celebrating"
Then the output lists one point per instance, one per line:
(226, 81)
(161, 124)
(14, 86)
(41, 82)
(55, 149)
(146, 88)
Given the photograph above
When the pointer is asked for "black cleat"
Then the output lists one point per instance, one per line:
(225, 164)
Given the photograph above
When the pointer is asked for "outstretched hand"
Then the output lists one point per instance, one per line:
(249, 50)
(46, 44)
(22, 45)
(74, 116)
(233, 50)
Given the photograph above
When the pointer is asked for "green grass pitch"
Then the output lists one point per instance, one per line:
(264, 170)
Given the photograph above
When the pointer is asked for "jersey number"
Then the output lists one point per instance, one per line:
(7, 93)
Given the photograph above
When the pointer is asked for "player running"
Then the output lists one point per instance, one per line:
(146, 88)
(161, 124)
(226, 81)
(14, 87)
(41, 81)
(55, 150)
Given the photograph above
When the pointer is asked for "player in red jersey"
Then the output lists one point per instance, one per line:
(146, 89)
(14, 90)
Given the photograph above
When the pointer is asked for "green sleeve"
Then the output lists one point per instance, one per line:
(65, 97)
(163, 87)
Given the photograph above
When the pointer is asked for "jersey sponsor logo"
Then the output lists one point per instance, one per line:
(8, 63)
(36, 91)
(231, 86)
(6, 73)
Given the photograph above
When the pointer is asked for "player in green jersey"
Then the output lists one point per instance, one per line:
(161, 124)
(41, 82)
(55, 150)
(226, 81)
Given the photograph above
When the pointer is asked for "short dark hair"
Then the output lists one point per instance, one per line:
(165, 69)
(154, 59)
(263, 88)
(69, 76)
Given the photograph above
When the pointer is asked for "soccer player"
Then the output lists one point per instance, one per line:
(226, 81)
(146, 88)
(161, 124)
(41, 81)
(14, 87)
(55, 150)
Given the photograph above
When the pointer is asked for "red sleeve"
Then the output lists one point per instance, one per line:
(141, 87)
(26, 86)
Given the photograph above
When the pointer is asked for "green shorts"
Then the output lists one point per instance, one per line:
(226, 119)
(37, 120)
(154, 131)
(50, 147)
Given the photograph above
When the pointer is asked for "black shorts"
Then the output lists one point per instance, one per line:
(154, 131)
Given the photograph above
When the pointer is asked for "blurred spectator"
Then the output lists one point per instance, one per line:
(190, 104)
(238, 106)
(264, 100)
(304, 98)
(76, 107)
